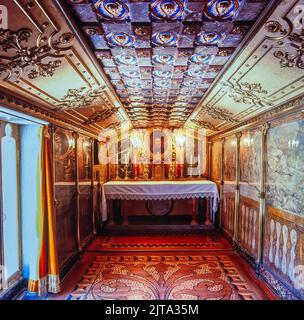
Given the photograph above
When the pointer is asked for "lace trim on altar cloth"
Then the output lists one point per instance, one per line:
(198, 195)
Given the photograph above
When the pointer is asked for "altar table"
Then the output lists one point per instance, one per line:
(159, 190)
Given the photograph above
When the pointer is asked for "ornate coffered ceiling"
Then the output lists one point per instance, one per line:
(42, 61)
(162, 56)
(269, 72)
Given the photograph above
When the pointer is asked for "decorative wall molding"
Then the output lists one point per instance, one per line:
(248, 93)
(44, 57)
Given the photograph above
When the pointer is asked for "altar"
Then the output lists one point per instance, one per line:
(159, 197)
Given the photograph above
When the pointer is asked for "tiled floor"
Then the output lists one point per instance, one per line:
(162, 267)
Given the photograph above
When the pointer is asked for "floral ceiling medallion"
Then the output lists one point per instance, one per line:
(24, 57)
(112, 9)
(165, 39)
(209, 38)
(167, 9)
(248, 93)
(120, 39)
(162, 74)
(222, 9)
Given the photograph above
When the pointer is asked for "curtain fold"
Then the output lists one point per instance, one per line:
(47, 278)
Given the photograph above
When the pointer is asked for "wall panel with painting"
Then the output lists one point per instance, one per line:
(84, 156)
(229, 163)
(284, 222)
(248, 211)
(65, 194)
(270, 225)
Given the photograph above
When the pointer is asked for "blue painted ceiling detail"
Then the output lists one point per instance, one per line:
(162, 56)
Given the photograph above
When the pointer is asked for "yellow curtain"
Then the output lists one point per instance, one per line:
(48, 270)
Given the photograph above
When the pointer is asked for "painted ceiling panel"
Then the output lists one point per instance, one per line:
(162, 56)
(43, 62)
(266, 74)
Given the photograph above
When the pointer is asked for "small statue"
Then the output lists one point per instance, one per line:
(171, 174)
(146, 172)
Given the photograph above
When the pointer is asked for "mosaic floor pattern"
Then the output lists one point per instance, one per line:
(165, 277)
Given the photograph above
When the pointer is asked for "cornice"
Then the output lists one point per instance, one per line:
(14, 102)
(295, 105)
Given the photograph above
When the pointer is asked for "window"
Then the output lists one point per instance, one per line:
(10, 213)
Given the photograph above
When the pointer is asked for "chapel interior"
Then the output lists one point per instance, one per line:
(152, 150)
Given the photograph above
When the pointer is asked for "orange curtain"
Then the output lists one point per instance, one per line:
(48, 268)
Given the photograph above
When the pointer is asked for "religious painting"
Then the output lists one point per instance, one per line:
(250, 166)
(285, 163)
(64, 156)
(65, 176)
(230, 159)
(216, 160)
(229, 163)
(284, 223)
(84, 155)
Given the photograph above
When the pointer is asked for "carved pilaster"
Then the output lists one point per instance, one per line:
(237, 188)
(264, 131)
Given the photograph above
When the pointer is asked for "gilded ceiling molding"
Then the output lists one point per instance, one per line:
(218, 114)
(31, 109)
(100, 116)
(291, 60)
(248, 93)
(204, 125)
(295, 41)
(292, 106)
(22, 56)
(79, 98)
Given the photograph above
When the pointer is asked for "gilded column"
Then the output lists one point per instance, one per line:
(222, 183)
(77, 191)
(262, 195)
(237, 187)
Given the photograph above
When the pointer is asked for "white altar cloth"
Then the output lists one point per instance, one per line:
(158, 190)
